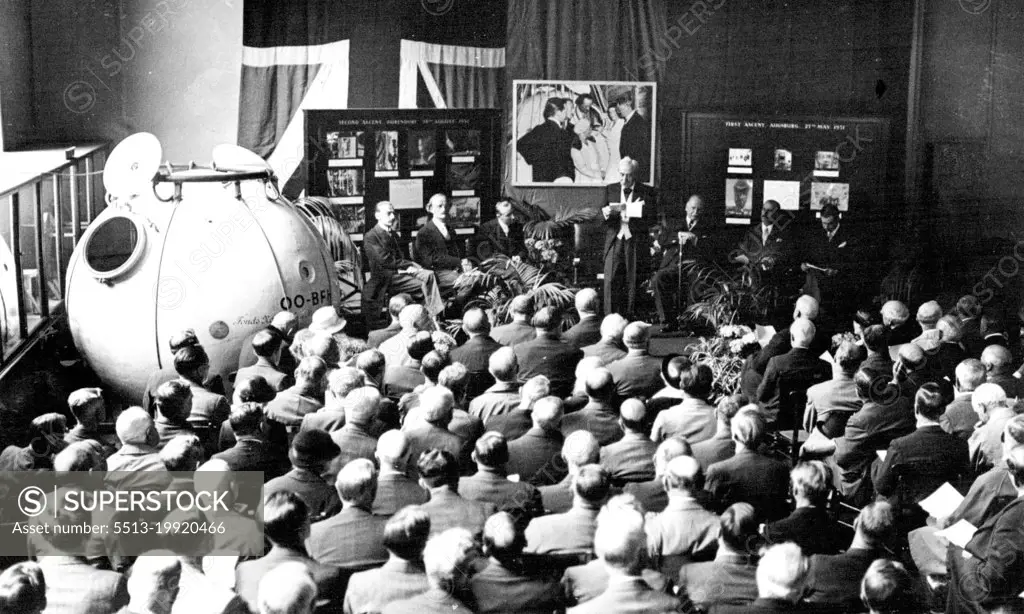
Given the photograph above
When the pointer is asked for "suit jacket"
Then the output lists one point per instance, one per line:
(448, 510)
(879, 365)
(635, 142)
(599, 418)
(996, 573)
(870, 429)
(276, 378)
(433, 601)
(493, 240)
(629, 594)
(214, 384)
(989, 494)
(546, 149)
(513, 333)
(512, 425)
(685, 532)
(582, 583)
(808, 527)
(330, 580)
(557, 498)
(717, 448)
(499, 399)
(762, 606)
(572, 530)
(904, 333)
(985, 445)
(402, 378)
(200, 593)
(639, 227)
(537, 457)
(631, 459)
(1007, 382)
(372, 590)
(435, 252)
(75, 587)
(924, 459)
(320, 497)
(585, 332)
(384, 259)
(638, 374)
(650, 494)
(289, 406)
(797, 368)
(520, 499)
(750, 477)
(326, 419)
(395, 491)
(424, 436)
(498, 589)
(351, 538)
(730, 579)
(475, 354)
(609, 352)
(206, 405)
(970, 336)
(835, 578)
(703, 250)
(252, 454)
(547, 355)
(781, 247)
(831, 404)
(132, 457)
(355, 442)
(379, 336)
(693, 419)
(780, 344)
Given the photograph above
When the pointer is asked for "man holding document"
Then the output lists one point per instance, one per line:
(628, 216)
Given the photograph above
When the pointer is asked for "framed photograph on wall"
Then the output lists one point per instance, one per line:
(574, 133)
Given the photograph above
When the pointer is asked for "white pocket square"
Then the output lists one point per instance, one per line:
(843, 244)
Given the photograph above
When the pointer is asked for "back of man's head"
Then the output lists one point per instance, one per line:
(190, 360)
(342, 381)
(361, 406)
(491, 450)
(475, 322)
(876, 338)
(134, 426)
(414, 317)
(182, 453)
(801, 333)
(928, 315)
(419, 346)
(929, 402)
(436, 404)
(600, 384)
(503, 538)
(84, 402)
(312, 450)
(726, 409)
(323, 346)
(23, 588)
(154, 581)
(636, 335)
(581, 448)
(912, 356)
(266, 343)
(849, 357)
(667, 450)
(406, 533)
(438, 468)
(371, 362)
(806, 307)
(781, 572)
(894, 313)
(697, 381)
(619, 539)
(682, 474)
(285, 519)
(996, 359)
(503, 365)
(393, 448)
(288, 588)
(988, 397)
(1015, 464)
(748, 428)
(173, 400)
(397, 303)
(810, 480)
(875, 523)
(632, 413)
(432, 364)
(950, 329)
(546, 319)
(547, 413)
(521, 307)
(447, 556)
(888, 587)
(968, 306)
(246, 419)
(357, 482)
(739, 527)
(592, 484)
(535, 388)
(612, 327)
(311, 371)
(587, 302)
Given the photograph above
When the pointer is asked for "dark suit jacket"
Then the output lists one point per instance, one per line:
(355, 442)
(631, 459)
(403, 378)
(384, 259)
(650, 494)
(493, 240)
(75, 587)
(629, 595)
(904, 333)
(379, 336)
(779, 345)
(729, 579)
(395, 491)
(924, 459)
(423, 436)
(209, 406)
(351, 538)
(682, 533)
(546, 149)
(711, 451)
(475, 354)
(276, 378)
(320, 497)
(585, 332)
(781, 247)
(520, 499)
(704, 250)
(547, 355)
(870, 429)
(372, 590)
(761, 606)
(289, 406)
(557, 498)
(582, 583)
(573, 530)
(513, 333)
(599, 418)
(878, 365)
(512, 425)
(435, 252)
(252, 454)
(635, 142)
(835, 578)
(797, 368)
(750, 477)
(970, 337)
(500, 589)
(637, 375)
(448, 510)
(996, 573)
(639, 227)
(498, 400)
(433, 601)
(537, 457)
(609, 352)
(960, 417)
(808, 527)
(1009, 384)
(330, 580)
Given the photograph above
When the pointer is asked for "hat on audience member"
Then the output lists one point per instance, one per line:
(326, 319)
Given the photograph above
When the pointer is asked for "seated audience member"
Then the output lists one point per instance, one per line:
(834, 579)
(490, 483)
(154, 583)
(928, 315)
(578, 397)
(917, 464)
(910, 370)
(672, 368)
(177, 341)
(450, 559)
(637, 374)
(631, 458)
(395, 489)
(588, 330)
(327, 321)
(46, 439)
(797, 369)
(693, 419)
(720, 446)
(830, 404)
(685, 531)
(87, 406)
(519, 330)
(885, 415)
(430, 429)
(502, 235)
(809, 525)
(268, 348)
(255, 390)
(968, 310)
(534, 457)
(610, 347)
(574, 529)
(439, 475)
(23, 589)
(286, 589)
(989, 570)
(896, 318)
(80, 456)
(619, 541)
(960, 418)
(579, 449)
(404, 377)
(507, 584)
(476, 352)
(878, 363)
(730, 579)
(516, 422)
(173, 401)
(138, 452)
(994, 410)
(454, 377)
(599, 415)
(547, 354)
(355, 439)
(950, 352)
(183, 453)
(781, 574)
(993, 331)
(371, 364)
(413, 318)
(193, 365)
(403, 575)
(286, 525)
(888, 587)
(311, 454)
(749, 476)
(998, 364)
(323, 346)
(396, 304)
(503, 396)
(354, 536)
(251, 452)
(331, 417)
(291, 405)
(805, 310)
(652, 495)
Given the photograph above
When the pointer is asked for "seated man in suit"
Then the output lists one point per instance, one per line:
(588, 330)
(547, 354)
(625, 241)
(519, 330)
(834, 579)
(138, 437)
(928, 315)
(693, 243)
(413, 319)
(439, 474)
(312, 453)
(969, 310)
(797, 369)
(430, 428)
(833, 249)
(599, 415)
(730, 578)
(693, 419)
(173, 402)
(809, 525)
(769, 249)
(720, 446)
(896, 318)
(631, 459)
(403, 576)
(535, 457)
(476, 352)
(502, 235)
(960, 417)
(438, 247)
(268, 348)
(407, 375)
(750, 476)
(508, 583)
(579, 450)
(516, 422)
(950, 352)
(805, 309)
(684, 531)
(503, 397)
(356, 439)
(878, 363)
(251, 452)
(395, 489)
(572, 530)
(999, 367)
(889, 587)
(610, 347)
(450, 560)
(396, 304)
(353, 537)
(305, 397)
(637, 374)
(989, 570)
(830, 404)
(652, 495)
(490, 483)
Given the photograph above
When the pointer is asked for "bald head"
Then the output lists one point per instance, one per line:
(503, 365)
(612, 327)
(636, 335)
(475, 322)
(586, 302)
(414, 317)
(801, 333)
(361, 405)
(581, 448)
(600, 385)
(667, 450)
(894, 313)
(153, 584)
(632, 414)
(682, 474)
(928, 315)
(912, 356)
(135, 426)
(997, 359)
(392, 448)
(806, 307)
(547, 413)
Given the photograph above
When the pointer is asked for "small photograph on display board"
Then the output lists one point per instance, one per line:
(826, 164)
(422, 151)
(740, 161)
(462, 143)
(345, 145)
(406, 193)
(837, 194)
(463, 177)
(345, 182)
(783, 160)
(353, 219)
(465, 212)
(786, 193)
(739, 199)
(387, 153)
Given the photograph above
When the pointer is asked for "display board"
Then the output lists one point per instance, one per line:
(359, 157)
(738, 162)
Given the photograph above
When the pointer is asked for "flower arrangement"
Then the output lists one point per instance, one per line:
(543, 251)
(839, 338)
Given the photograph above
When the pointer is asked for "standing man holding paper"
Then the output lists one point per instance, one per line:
(628, 215)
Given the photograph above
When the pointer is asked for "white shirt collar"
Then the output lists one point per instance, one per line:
(442, 228)
(504, 226)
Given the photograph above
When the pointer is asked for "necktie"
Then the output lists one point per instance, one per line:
(690, 225)
(765, 231)
(626, 192)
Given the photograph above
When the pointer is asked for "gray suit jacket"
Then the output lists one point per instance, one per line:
(75, 587)
(573, 530)
(448, 510)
